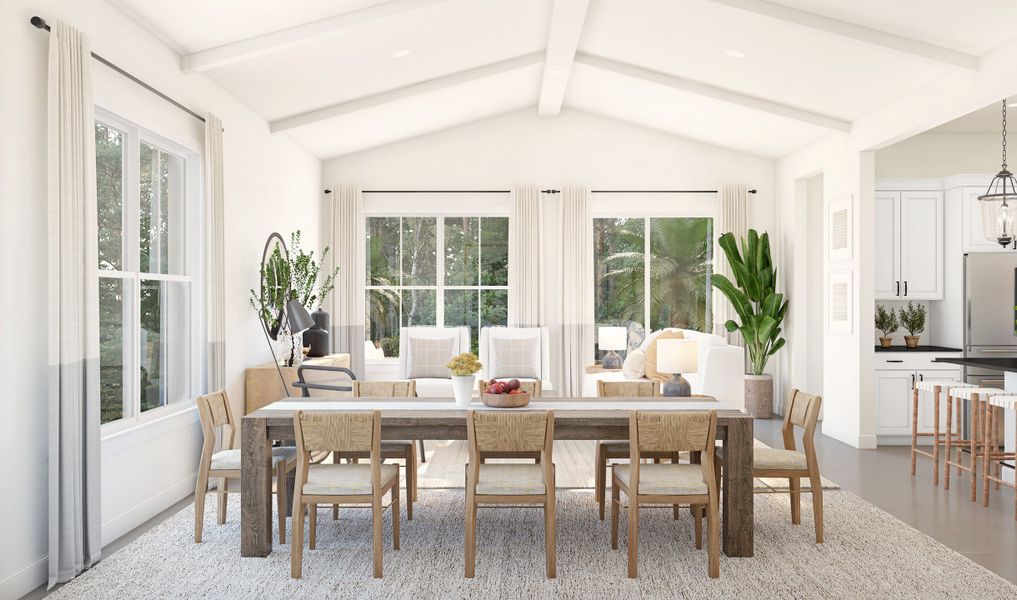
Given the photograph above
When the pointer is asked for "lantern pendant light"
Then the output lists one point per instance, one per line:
(999, 202)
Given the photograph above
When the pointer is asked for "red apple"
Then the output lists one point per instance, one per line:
(513, 384)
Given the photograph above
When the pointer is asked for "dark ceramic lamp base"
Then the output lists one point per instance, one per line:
(611, 360)
(676, 387)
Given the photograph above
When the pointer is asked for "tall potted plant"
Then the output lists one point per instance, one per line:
(760, 310)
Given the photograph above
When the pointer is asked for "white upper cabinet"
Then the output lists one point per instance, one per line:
(909, 245)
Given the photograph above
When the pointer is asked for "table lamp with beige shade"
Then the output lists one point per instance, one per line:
(677, 357)
(612, 339)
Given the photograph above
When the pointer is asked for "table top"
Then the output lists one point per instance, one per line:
(608, 408)
(999, 364)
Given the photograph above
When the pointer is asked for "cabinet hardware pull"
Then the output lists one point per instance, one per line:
(912, 380)
(921, 377)
(905, 289)
(898, 288)
(895, 361)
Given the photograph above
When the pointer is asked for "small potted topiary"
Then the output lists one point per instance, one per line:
(912, 317)
(887, 323)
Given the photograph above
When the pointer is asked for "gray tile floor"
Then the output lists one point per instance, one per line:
(987, 536)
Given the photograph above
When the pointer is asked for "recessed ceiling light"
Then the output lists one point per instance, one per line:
(734, 54)
(400, 53)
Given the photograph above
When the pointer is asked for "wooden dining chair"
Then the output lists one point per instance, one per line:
(350, 484)
(619, 449)
(802, 412)
(535, 388)
(216, 417)
(669, 484)
(517, 483)
(390, 449)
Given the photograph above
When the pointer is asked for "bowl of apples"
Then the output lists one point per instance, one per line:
(505, 394)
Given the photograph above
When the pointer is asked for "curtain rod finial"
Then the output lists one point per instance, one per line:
(40, 23)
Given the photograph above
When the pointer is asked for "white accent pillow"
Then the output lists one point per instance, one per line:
(634, 366)
(515, 357)
(429, 358)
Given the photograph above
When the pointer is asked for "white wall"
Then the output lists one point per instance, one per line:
(270, 184)
(575, 148)
(938, 155)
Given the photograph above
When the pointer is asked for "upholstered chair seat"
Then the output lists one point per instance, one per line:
(230, 459)
(345, 480)
(510, 479)
(666, 479)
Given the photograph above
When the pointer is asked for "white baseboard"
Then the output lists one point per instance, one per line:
(138, 515)
(25, 580)
(864, 442)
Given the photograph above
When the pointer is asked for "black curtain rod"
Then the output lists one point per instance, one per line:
(541, 191)
(40, 23)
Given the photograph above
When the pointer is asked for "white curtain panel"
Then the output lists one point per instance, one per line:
(75, 542)
(526, 259)
(343, 232)
(731, 217)
(577, 288)
(215, 268)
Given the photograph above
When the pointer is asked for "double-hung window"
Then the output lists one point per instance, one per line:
(442, 270)
(653, 271)
(149, 252)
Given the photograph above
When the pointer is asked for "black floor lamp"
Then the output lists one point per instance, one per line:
(294, 314)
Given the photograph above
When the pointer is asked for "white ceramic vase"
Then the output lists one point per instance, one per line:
(462, 389)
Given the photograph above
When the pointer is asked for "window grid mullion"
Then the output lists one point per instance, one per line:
(439, 265)
(132, 265)
(646, 273)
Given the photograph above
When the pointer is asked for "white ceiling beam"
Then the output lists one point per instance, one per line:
(716, 93)
(915, 48)
(567, 18)
(261, 45)
(403, 93)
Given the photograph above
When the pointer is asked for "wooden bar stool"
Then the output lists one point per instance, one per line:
(976, 398)
(937, 389)
(993, 455)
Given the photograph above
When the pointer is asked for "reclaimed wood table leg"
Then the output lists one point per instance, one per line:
(738, 488)
(256, 488)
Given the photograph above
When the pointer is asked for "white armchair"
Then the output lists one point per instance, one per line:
(542, 362)
(721, 369)
(431, 387)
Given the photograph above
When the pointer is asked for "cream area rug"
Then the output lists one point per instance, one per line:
(575, 466)
(867, 554)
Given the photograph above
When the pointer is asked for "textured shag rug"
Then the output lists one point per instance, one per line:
(867, 554)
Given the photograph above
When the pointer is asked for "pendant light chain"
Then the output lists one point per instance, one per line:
(1004, 134)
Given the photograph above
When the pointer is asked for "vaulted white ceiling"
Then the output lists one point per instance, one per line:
(757, 76)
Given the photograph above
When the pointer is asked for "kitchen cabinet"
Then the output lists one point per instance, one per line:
(909, 245)
(896, 374)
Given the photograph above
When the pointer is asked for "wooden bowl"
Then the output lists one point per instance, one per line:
(505, 400)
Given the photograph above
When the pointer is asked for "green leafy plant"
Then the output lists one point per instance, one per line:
(912, 317)
(886, 321)
(298, 277)
(464, 365)
(760, 308)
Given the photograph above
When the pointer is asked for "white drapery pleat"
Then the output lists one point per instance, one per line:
(75, 541)
(215, 256)
(577, 287)
(731, 217)
(526, 259)
(343, 232)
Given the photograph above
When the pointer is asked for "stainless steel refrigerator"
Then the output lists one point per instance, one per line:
(990, 294)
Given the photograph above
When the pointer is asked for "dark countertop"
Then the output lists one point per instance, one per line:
(1000, 364)
(918, 349)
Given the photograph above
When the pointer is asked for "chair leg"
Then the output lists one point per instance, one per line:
(615, 497)
(914, 430)
(376, 523)
(471, 532)
(312, 535)
(223, 493)
(297, 543)
(935, 438)
(795, 485)
(697, 517)
(987, 450)
(550, 537)
(200, 491)
(978, 425)
(423, 456)
(335, 512)
(949, 443)
(816, 482)
(713, 527)
(599, 484)
(674, 515)
(280, 498)
(395, 515)
(411, 480)
(633, 539)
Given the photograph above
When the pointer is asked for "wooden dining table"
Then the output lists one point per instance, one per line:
(441, 419)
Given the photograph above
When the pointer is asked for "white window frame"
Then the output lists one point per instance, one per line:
(433, 206)
(193, 223)
(655, 206)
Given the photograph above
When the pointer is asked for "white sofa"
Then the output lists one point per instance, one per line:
(487, 334)
(721, 369)
(431, 387)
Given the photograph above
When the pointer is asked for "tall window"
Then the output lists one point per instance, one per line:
(439, 271)
(653, 271)
(145, 271)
